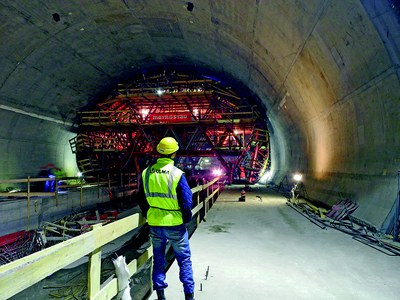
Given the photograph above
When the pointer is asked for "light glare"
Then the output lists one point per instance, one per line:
(297, 177)
(217, 172)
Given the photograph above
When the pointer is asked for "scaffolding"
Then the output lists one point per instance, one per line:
(206, 118)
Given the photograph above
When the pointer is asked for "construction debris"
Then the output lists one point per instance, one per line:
(18, 244)
(342, 209)
(339, 217)
(73, 225)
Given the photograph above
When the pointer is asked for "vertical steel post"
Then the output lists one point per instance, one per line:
(81, 193)
(206, 202)
(98, 188)
(198, 198)
(28, 204)
(397, 212)
(198, 202)
(56, 190)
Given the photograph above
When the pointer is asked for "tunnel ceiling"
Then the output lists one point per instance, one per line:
(326, 71)
(74, 52)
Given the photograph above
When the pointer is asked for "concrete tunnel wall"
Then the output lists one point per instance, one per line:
(326, 71)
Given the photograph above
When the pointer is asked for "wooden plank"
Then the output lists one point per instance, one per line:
(135, 264)
(210, 197)
(54, 238)
(197, 189)
(22, 273)
(94, 269)
(111, 288)
(142, 259)
(94, 272)
(108, 291)
(90, 222)
(197, 208)
(204, 186)
(49, 229)
(62, 227)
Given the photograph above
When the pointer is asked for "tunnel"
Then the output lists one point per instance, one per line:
(322, 74)
(325, 72)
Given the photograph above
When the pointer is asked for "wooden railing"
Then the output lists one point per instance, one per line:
(25, 272)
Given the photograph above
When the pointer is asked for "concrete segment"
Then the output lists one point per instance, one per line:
(263, 249)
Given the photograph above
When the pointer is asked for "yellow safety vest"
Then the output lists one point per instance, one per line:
(160, 182)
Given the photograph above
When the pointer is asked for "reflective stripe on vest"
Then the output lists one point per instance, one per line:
(170, 183)
(160, 182)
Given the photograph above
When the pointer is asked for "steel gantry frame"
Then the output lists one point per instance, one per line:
(206, 118)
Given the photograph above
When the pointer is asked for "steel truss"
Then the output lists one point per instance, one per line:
(207, 120)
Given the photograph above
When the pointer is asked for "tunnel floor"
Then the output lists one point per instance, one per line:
(263, 249)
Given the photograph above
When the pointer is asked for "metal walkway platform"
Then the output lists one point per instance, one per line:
(263, 249)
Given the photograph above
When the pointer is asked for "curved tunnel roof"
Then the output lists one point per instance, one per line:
(327, 73)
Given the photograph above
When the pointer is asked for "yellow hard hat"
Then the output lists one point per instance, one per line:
(167, 145)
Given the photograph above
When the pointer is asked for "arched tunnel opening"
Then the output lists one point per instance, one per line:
(258, 91)
(219, 131)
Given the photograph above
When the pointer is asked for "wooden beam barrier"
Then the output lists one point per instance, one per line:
(25, 272)
(204, 186)
(94, 272)
(197, 208)
(110, 289)
(22, 273)
(94, 269)
(209, 197)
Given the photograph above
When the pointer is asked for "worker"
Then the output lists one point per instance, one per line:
(165, 199)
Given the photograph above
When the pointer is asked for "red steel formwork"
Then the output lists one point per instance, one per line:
(207, 119)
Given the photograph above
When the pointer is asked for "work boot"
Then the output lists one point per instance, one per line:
(160, 295)
(189, 296)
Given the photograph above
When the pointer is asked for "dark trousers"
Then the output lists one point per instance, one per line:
(179, 239)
